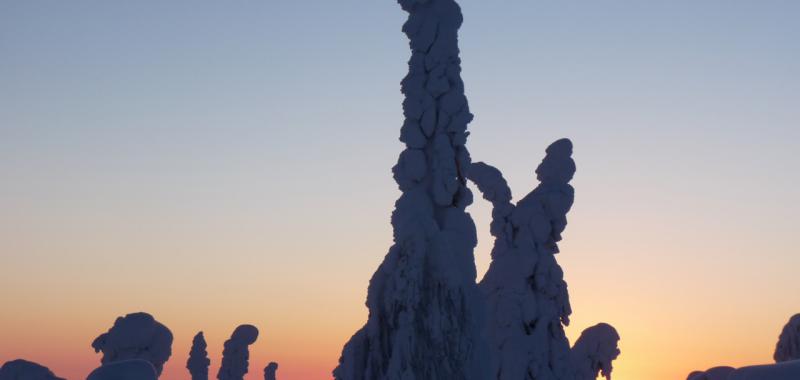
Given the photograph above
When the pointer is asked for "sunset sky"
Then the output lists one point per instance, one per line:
(217, 163)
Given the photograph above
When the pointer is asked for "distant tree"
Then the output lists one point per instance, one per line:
(198, 358)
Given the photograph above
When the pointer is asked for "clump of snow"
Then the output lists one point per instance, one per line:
(716, 373)
(788, 347)
(136, 336)
(134, 369)
(198, 358)
(269, 371)
(425, 311)
(594, 351)
(236, 354)
(524, 287)
(24, 370)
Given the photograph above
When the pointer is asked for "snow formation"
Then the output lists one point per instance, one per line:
(425, 311)
(716, 373)
(235, 355)
(24, 370)
(526, 295)
(133, 369)
(136, 336)
(788, 370)
(788, 347)
(198, 358)
(269, 371)
(594, 351)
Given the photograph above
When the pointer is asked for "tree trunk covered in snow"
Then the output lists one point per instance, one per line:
(425, 310)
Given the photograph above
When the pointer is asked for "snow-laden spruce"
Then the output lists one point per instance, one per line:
(136, 336)
(24, 370)
(236, 353)
(525, 290)
(198, 361)
(131, 369)
(526, 295)
(788, 347)
(425, 311)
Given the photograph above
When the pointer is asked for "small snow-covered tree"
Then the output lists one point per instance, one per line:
(594, 351)
(270, 371)
(198, 358)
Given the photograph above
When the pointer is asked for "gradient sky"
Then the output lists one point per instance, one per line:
(217, 163)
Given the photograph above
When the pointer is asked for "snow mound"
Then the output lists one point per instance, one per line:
(198, 358)
(270, 370)
(788, 347)
(789, 370)
(594, 351)
(134, 369)
(24, 370)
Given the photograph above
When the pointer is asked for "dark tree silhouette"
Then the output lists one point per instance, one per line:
(198, 358)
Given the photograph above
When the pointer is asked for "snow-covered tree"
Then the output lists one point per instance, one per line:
(594, 351)
(236, 354)
(425, 311)
(198, 358)
(270, 371)
(525, 289)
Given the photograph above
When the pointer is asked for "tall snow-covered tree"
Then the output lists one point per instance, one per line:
(425, 311)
